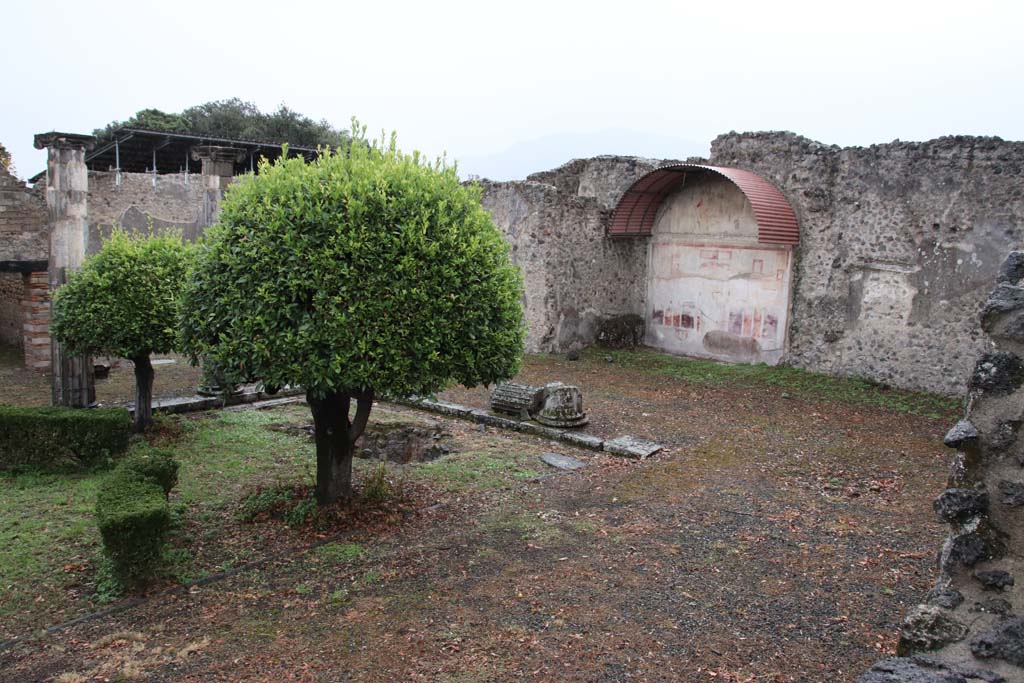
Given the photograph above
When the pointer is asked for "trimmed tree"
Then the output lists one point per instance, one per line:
(361, 274)
(123, 301)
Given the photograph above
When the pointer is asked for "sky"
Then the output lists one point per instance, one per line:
(512, 88)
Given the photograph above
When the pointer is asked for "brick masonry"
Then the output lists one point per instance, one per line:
(35, 311)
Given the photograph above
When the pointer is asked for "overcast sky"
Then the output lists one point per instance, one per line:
(509, 88)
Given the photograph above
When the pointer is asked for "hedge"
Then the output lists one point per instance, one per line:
(134, 520)
(155, 465)
(58, 438)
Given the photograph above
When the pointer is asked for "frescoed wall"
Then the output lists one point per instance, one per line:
(712, 289)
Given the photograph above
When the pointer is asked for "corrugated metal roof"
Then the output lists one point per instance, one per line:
(635, 213)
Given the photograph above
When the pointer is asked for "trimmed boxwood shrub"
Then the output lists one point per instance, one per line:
(134, 519)
(58, 438)
(133, 515)
(154, 464)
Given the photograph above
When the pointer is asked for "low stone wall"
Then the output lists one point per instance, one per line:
(971, 627)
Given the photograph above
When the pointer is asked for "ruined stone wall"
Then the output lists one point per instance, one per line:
(899, 244)
(176, 201)
(10, 308)
(23, 235)
(971, 627)
(574, 277)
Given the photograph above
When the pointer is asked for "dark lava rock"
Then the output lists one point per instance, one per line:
(950, 598)
(927, 628)
(972, 547)
(993, 606)
(1011, 493)
(963, 432)
(1003, 640)
(994, 579)
(621, 332)
(997, 373)
(959, 505)
(968, 672)
(903, 670)
(1003, 436)
(1012, 270)
(1003, 315)
(572, 355)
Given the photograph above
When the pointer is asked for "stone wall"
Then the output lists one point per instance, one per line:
(176, 201)
(23, 235)
(574, 277)
(10, 309)
(899, 244)
(971, 627)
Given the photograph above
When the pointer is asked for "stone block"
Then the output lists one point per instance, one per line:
(631, 447)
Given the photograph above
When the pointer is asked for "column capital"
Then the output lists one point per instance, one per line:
(55, 140)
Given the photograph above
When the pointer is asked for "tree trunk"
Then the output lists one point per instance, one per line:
(143, 393)
(335, 439)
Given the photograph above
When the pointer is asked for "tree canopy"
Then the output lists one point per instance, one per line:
(124, 302)
(364, 272)
(236, 119)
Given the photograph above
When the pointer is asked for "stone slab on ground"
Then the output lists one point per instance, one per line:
(483, 417)
(440, 407)
(187, 404)
(562, 462)
(631, 447)
(594, 443)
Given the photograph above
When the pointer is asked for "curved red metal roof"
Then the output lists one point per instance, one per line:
(636, 210)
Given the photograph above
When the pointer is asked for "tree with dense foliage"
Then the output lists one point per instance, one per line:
(124, 302)
(237, 120)
(357, 275)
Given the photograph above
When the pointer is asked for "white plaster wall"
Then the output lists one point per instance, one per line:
(712, 291)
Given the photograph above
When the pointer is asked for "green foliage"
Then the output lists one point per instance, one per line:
(267, 501)
(134, 519)
(55, 438)
(236, 119)
(371, 269)
(376, 487)
(5, 161)
(303, 511)
(339, 553)
(123, 301)
(154, 464)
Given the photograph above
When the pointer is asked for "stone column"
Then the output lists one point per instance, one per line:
(218, 173)
(67, 188)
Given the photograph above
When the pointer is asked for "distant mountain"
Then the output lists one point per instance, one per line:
(551, 151)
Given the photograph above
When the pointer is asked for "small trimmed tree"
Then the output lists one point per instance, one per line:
(124, 302)
(364, 273)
